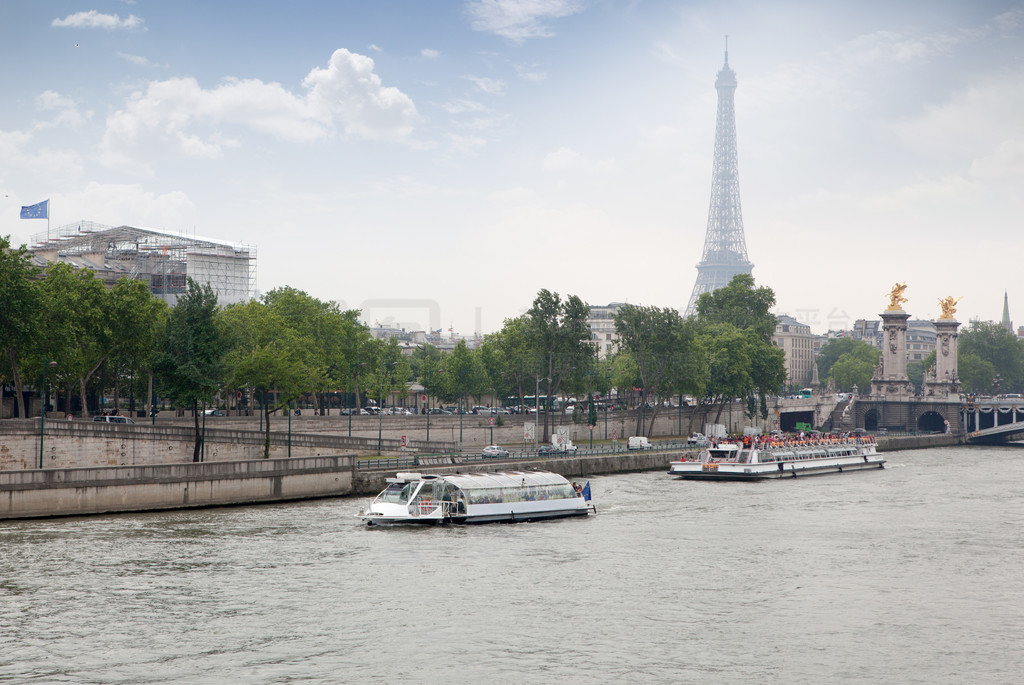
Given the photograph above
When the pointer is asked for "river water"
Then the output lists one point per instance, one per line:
(912, 574)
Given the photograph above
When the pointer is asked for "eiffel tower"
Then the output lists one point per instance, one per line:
(725, 248)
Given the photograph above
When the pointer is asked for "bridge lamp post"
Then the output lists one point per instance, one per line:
(380, 408)
(42, 416)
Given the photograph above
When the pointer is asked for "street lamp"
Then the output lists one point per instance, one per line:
(380, 407)
(42, 416)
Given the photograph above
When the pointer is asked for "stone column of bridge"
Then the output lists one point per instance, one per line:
(890, 380)
(945, 381)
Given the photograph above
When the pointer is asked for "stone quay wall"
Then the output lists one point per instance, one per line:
(74, 492)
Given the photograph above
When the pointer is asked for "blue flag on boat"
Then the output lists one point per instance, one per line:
(36, 211)
(586, 491)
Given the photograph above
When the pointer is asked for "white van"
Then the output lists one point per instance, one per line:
(639, 442)
(112, 419)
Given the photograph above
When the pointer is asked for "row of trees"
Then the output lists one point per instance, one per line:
(89, 340)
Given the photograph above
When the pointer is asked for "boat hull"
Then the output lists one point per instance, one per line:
(470, 519)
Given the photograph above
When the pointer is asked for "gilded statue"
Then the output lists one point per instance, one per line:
(896, 298)
(948, 305)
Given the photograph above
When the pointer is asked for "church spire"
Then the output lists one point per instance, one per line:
(1007, 324)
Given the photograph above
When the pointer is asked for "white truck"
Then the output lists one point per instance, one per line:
(558, 444)
(638, 442)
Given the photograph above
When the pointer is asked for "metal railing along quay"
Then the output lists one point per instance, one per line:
(515, 456)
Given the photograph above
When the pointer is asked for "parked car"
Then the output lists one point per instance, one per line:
(112, 419)
(495, 451)
(215, 412)
(399, 411)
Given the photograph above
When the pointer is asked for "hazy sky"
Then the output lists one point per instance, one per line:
(470, 153)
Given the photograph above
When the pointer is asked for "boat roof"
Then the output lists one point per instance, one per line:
(505, 479)
(481, 481)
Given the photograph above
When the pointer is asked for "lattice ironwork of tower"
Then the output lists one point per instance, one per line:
(725, 247)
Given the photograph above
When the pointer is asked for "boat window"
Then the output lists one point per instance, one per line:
(427, 491)
(397, 493)
(530, 493)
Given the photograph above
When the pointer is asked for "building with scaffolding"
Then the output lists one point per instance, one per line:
(162, 259)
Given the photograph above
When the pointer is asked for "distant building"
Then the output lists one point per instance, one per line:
(921, 338)
(869, 331)
(602, 328)
(796, 341)
(1006, 323)
(163, 260)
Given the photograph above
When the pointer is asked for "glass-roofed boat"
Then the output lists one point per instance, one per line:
(477, 498)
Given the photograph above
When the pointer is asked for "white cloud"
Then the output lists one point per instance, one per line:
(65, 108)
(19, 159)
(466, 144)
(347, 94)
(519, 20)
(94, 20)
(349, 90)
(429, 53)
(971, 124)
(461, 106)
(129, 204)
(135, 59)
(530, 73)
(488, 85)
(567, 159)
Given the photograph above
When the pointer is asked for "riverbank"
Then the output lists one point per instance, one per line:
(41, 493)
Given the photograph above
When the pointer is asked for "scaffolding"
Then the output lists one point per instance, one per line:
(162, 259)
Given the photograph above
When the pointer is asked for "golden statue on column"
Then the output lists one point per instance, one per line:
(948, 305)
(896, 298)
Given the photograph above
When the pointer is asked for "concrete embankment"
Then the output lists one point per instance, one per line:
(79, 491)
(107, 489)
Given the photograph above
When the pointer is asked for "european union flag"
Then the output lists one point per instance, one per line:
(586, 491)
(36, 211)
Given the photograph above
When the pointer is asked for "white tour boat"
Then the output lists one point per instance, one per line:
(780, 458)
(477, 498)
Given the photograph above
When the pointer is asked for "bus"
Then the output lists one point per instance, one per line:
(804, 394)
(529, 403)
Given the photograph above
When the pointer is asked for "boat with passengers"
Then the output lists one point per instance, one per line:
(477, 498)
(758, 458)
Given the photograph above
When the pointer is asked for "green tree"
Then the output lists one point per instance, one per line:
(992, 343)
(518, 361)
(191, 363)
(663, 349)
(19, 314)
(740, 304)
(267, 354)
(976, 374)
(833, 350)
(75, 326)
(134, 320)
(559, 337)
(855, 367)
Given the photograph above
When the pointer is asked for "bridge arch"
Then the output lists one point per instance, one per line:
(871, 421)
(931, 422)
